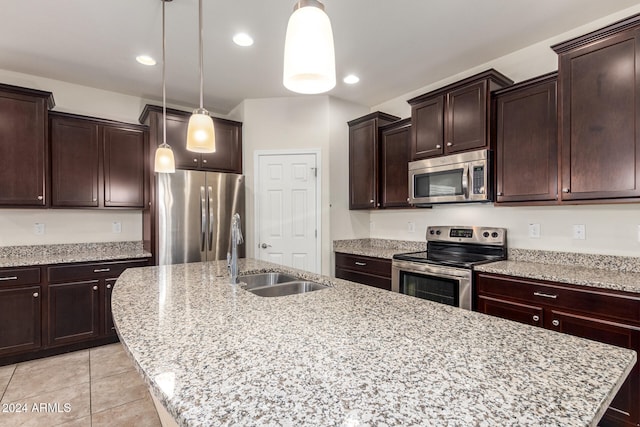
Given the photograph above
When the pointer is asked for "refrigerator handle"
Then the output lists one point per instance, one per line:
(210, 209)
(203, 219)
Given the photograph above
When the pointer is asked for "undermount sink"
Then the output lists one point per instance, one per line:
(277, 284)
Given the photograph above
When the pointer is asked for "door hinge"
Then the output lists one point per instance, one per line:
(316, 234)
(315, 172)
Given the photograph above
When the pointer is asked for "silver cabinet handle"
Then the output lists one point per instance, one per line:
(540, 294)
(566, 190)
(555, 322)
(195, 160)
(536, 317)
(108, 286)
(95, 288)
(40, 197)
(361, 263)
(500, 193)
(9, 278)
(438, 146)
(265, 246)
(36, 295)
(102, 270)
(371, 201)
(449, 144)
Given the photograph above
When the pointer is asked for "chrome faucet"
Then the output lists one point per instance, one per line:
(236, 239)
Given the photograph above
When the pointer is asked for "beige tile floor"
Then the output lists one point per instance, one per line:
(88, 388)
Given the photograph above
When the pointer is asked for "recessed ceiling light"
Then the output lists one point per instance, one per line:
(243, 39)
(145, 60)
(351, 79)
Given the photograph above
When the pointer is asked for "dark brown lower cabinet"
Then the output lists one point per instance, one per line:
(370, 271)
(610, 317)
(47, 310)
(20, 324)
(73, 312)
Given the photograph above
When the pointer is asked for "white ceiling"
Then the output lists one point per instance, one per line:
(394, 46)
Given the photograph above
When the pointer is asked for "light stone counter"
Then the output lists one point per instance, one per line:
(599, 271)
(377, 248)
(20, 256)
(215, 354)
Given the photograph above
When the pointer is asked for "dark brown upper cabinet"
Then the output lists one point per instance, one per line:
(96, 163)
(454, 118)
(526, 142)
(364, 159)
(599, 104)
(395, 152)
(23, 146)
(228, 155)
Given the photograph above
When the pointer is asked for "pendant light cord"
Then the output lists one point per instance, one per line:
(164, 89)
(201, 55)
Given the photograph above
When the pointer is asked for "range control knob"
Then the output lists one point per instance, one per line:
(494, 234)
(438, 232)
(485, 234)
(431, 232)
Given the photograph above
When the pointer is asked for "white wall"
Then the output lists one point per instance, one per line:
(610, 229)
(310, 122)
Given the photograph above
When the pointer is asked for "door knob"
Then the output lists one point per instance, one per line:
(265, 246)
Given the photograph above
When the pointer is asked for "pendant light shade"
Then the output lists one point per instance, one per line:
(164, 160)
(309, 59)
(201, 135)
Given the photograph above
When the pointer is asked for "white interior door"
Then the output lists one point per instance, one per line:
(287, 214)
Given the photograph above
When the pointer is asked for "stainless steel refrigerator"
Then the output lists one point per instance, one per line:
(194, 215)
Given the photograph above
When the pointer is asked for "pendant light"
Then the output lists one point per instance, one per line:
(201, 136)
(309, 59)
(164, 161)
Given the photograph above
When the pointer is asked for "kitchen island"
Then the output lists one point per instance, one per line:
(215, 354)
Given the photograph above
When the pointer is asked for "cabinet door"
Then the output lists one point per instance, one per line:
(523, 313)
(23, 150)
(625, 408)
(109, 328)
(228, 155)
(394, 170)
(527, 146)
(20, 319)
(363, 165)
(123, 167)
(75, 163)
(427, 128)
(74, 312)
(600, 131)
(177, 139)
(466, 118)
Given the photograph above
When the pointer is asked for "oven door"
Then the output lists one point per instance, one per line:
(446, 285)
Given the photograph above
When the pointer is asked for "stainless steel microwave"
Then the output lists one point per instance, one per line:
(456, 178)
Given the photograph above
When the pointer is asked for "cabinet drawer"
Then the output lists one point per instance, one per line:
(369, 265)
(595, 302)
(19, 276)
(364, 278)
(64, 273)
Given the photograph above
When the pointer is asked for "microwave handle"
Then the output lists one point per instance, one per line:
(465, 181)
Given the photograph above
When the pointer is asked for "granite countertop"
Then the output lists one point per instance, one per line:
(20, 256)
(377, 248)
(215, 354)
(599, 271)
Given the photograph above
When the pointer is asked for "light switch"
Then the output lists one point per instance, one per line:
(534, 231)
(411, 227)
(116, 227)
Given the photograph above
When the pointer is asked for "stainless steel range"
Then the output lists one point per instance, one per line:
(444, 272)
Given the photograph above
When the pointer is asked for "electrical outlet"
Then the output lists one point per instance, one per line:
(116, 227)
(411, 226)
(38, 228)
(534, 231)
(579, 232)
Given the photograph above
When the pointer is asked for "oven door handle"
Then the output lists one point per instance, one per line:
(465, 181)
